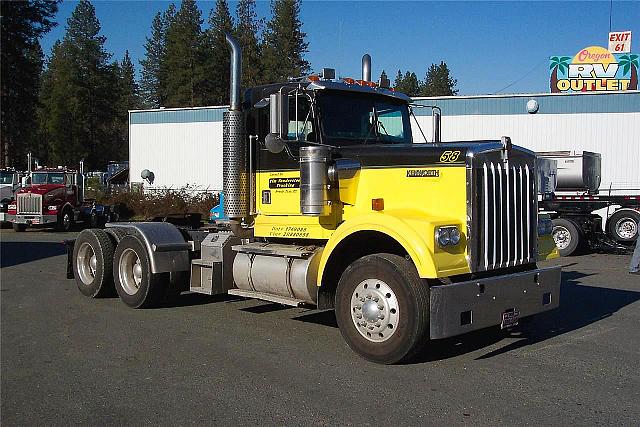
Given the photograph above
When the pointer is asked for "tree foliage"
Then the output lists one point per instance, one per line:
(183, 64)
(284, 43)
(85, 96)
(248, 30)
(152, 82)
(438, 82)
(22, 25)
(215, 55)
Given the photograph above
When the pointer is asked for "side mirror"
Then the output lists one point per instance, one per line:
(279, 115)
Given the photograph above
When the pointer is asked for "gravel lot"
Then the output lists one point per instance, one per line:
(69, 359)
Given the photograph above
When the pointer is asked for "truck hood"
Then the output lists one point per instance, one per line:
(41, 188)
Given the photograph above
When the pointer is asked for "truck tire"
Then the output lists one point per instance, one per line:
(567, 235)
(136, 285)
(19, 228)
(382, 308)
(93, 263)
(65, 220)
(623, 226)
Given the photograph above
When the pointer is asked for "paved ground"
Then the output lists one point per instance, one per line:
(68, 359)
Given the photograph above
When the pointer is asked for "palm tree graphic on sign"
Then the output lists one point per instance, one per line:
(630, 62)
(561, 62)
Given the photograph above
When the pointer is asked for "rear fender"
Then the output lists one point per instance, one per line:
(167, 249)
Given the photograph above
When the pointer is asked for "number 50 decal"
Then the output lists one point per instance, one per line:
(450, 156)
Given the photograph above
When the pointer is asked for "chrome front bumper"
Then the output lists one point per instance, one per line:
(35, 219)
(467, 306)
(5, 217)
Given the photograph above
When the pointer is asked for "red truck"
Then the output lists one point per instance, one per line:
(54, 197)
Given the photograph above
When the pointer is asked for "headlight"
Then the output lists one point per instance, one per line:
(447, 236)
(545, 226)
(52, 208)
(12, 207)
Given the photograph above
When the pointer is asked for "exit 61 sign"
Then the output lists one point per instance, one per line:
(620, 42)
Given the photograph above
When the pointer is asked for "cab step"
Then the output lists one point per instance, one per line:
(268, 297)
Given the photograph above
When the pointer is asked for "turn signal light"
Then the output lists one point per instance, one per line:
(377, 204)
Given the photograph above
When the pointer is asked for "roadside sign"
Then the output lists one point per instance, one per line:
(620, 42)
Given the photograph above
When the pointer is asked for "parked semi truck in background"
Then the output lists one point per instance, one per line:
(54, 197)
(328, 203)
(584, 217)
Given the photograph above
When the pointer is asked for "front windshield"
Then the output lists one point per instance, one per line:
(47, 178)
(6, 178)
(350, 118)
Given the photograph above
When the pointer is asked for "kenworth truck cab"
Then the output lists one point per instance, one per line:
(328, 203)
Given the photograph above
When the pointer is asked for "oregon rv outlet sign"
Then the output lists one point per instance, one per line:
(593, 68)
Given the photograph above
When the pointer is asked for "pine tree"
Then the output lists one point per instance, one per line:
(439, 82)
(128, 99)
(248, 34)
(182, 68)
(129, 91)
(151, 81)
(383, 76)
(22, 25)
(79, 103)
(407, 84)
(284, 43)
(215, 56)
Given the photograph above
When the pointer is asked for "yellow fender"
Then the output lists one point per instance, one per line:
(410, 228)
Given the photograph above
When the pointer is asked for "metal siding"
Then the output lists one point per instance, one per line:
(614, 135)
(620, 102)
(179, 154)
(197, 115)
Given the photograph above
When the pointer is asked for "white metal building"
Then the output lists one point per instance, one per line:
(184, 146)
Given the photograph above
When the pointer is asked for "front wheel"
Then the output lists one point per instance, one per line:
(65, 220)
(382, 308)
(137, 286)
(19, 228)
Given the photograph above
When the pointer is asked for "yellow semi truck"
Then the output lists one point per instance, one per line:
(327, 202)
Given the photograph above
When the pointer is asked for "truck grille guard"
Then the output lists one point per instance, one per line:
(502, 208)
(29, 204)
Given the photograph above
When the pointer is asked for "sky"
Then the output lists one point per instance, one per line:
(487, 45)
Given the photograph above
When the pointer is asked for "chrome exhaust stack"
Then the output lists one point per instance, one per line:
(235, 178)
(366, 67)
(437, 127)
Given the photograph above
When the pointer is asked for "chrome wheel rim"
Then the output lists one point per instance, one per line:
(66, 220)
(562, 237)
(626, 228)
(130, 271)
(86, 263)
(374, 310)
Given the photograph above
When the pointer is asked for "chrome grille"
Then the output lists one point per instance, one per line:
(505, 213)
(29, 203)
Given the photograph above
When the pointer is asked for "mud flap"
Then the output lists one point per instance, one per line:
(69, 243)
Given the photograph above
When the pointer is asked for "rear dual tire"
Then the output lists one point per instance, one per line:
(92, 263)
(136, 285)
